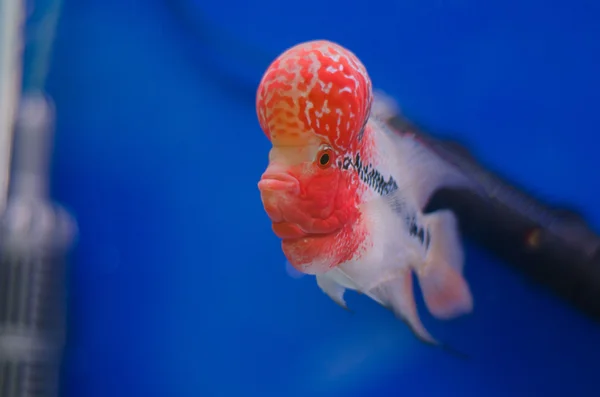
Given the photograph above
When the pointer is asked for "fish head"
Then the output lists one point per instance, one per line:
(313, 104)
(304, 192)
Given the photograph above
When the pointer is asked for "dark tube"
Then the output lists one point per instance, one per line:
(553, 246)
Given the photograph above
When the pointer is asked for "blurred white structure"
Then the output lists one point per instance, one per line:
(11, 51)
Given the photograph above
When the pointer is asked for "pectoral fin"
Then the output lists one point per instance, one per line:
(397, 295)
(446, 292)
(332, 289)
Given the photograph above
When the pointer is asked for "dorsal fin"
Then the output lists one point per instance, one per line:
(428, 172)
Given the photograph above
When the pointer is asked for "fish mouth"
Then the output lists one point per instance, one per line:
(278, 182)
(278, 176)
(289, 232)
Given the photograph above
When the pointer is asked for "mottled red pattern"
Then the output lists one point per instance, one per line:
(314, 88)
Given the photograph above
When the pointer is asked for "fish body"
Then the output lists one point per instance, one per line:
(346, 194)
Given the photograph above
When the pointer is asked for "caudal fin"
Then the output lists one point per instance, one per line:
(445, 291)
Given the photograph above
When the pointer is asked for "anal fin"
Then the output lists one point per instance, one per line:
(445, 291)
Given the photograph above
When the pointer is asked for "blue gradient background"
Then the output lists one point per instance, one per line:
(178, 286)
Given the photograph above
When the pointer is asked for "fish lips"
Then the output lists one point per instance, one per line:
(278, 183)
(277, 190)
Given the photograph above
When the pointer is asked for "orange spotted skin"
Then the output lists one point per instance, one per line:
(315, 88)
(313, 104)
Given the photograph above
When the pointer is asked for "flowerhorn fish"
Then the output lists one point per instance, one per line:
(345, 193)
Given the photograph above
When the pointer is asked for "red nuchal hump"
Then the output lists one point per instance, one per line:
(317, 87)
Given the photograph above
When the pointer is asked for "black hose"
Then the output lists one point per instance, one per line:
(553, 246)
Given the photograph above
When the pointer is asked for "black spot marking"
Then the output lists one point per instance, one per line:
(374, 179)
(361, 133)
(418, 231)
(421, 235)
(397, 204)
(369, 175)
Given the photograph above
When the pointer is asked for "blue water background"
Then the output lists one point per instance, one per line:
(178, 286)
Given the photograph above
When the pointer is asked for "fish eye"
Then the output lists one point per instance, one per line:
(325, 158)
